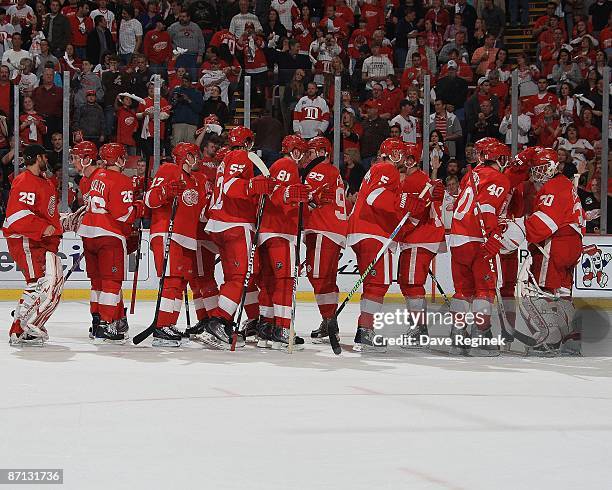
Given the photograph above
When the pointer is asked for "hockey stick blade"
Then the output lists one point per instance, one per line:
(259, 163)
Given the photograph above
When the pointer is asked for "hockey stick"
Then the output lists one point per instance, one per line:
(380, 253)
(258, 162)
(150, 329)
(138, 249)
(75, 265)
(296, 270)
(187, 314)
(439, 288)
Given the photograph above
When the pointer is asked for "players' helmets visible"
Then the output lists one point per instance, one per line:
(241, 136)
(84, 154)
(480, 146)
(221, 153)
(393, 149)
(212, 124)
(320, 145)
(544, 165)
(496, 152)
(113, 154)
(293, 145)
(183, 150)
(413, 153)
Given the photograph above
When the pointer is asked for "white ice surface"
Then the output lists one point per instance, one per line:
(125, 417)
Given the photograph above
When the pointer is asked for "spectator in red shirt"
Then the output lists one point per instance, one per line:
(433, 38)
(5, 90)
(32, 126)
(546, 127)
(158, 48)
(541, 23)
(438, 15)
(550, 52)
(586, 129)
(127, 123)
(80, 25)
(69, 62)
(373, 14)
(392, 95)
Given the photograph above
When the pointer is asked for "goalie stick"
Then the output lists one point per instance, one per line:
(380, 253)
(151, 328)
(296, 270)
(261, 166)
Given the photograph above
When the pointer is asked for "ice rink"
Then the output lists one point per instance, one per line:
(125, 417)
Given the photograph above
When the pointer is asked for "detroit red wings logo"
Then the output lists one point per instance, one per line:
(52, 206)
(190, 197)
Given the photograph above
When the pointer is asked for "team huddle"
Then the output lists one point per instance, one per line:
(210, 204)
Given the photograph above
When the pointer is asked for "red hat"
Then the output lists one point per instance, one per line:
(371, 103)
(91, 92)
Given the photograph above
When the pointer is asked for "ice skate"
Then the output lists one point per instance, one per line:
(123, 327)
(264, 334)
(414, 339)
(483, 350)
(95, 321)
(166, 337)
(321, 334)
(197, 329)
(30, 336)
(249, 329)
(183, 333)
(366, 343)
(280, 340)
(458, 348)
(108, 333)
(217, 334)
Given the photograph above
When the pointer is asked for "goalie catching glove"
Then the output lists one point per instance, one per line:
(260, 185)
(296, 193)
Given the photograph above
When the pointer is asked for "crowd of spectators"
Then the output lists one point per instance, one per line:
(293, 51)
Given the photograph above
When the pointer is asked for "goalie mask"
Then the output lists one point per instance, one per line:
(393, 149)
(544, 165)
(241, 137)
(294, 146)
(113, 154)
(186, 153)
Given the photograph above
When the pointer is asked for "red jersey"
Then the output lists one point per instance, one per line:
(537, 102)
(359, 37)
(31, 208)
(280, 219)
(33, 133)
(330, 219)
(231, 204)
(157, 46)
(110, 210)
(147, 123)
(557, 211)
(254, 57)
(224, 37)
(85, 184)
(207, 174)
(375, 213)
(79, 29)
(127, 124)
(492, 188)
(374, 17)
(190, 204)
(425, 230)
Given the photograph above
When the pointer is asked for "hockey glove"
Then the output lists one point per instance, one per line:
(172, 188)
(321, 196)
(139, 209)
(261, 185)
(437, 191)
(492, 246)
(411, 204)
(72, 221)
(295, 194)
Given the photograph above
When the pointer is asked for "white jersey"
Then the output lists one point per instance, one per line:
(409, 127)
(287, 9)
(310, 116)
(377, 66)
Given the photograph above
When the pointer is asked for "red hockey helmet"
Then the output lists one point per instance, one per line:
(221, 153)
(183, 151)
(83, 155)
(293, 143)
(481, 145)
(241, 136)
(113, 154)
(212, 124)
(393, 149)
(497, 152)
(544, 165)
(321, 146)
(525, 157)
(413, 152)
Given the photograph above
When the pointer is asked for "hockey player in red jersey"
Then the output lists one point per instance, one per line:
(107, 223)
(325, 226)
(554, 232)
(420, 240)
(178, 182)
(203, 283)
(277, 245)
(376, 213)
(84, 157)
(231, 223)
(33, 231)
(482, 195)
